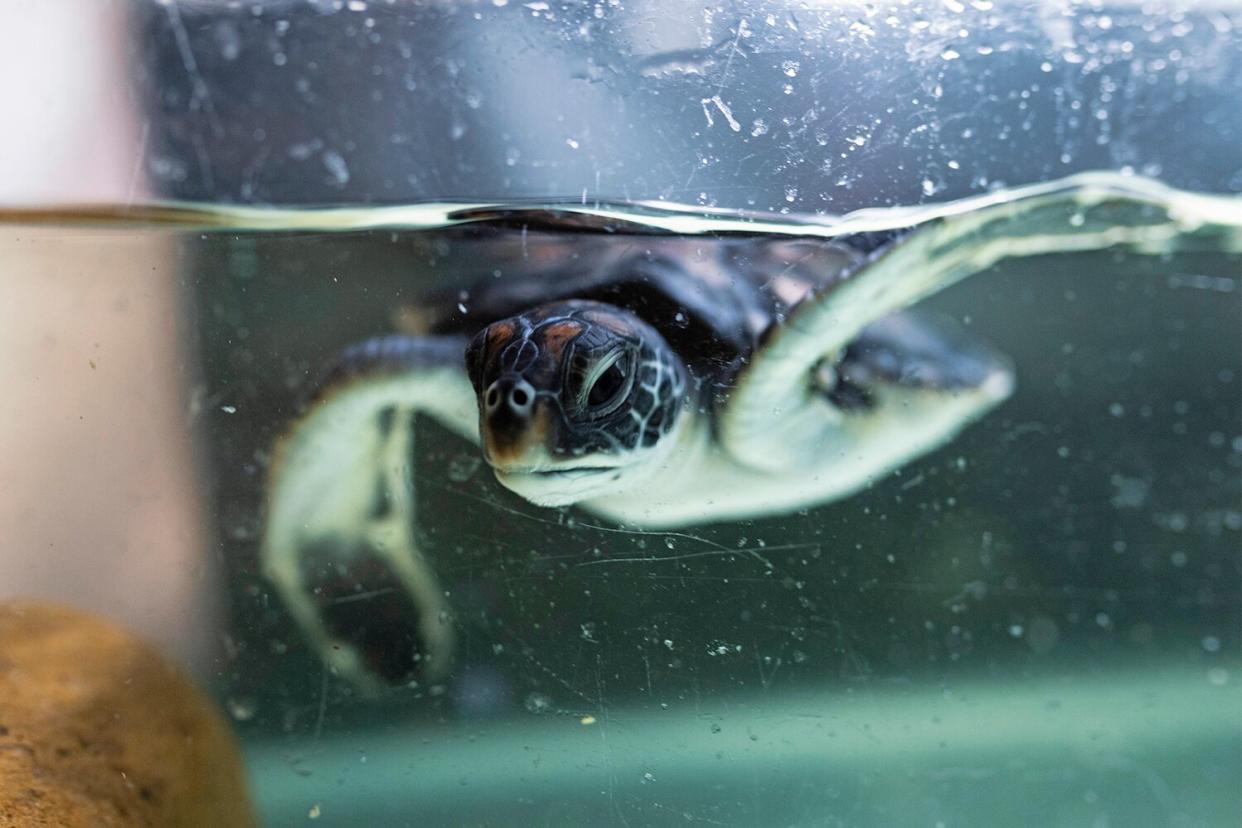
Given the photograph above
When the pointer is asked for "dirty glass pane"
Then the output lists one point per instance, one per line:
(1036, 622)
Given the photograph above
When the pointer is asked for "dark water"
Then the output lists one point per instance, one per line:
(1037, 624)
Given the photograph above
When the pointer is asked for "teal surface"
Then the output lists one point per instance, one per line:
(1123, 749)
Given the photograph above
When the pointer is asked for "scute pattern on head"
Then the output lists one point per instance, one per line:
(622, 325)
(606, 385)
(658, 382)
(557, 335)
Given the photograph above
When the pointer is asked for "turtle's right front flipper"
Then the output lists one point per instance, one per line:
(779, 391)
(339, 537)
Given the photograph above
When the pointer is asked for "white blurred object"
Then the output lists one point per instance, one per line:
(71, 128)
(98, 502)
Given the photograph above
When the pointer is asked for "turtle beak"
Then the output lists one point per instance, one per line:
(511, 424)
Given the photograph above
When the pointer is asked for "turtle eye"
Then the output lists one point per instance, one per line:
(606, 387)
(603, 388)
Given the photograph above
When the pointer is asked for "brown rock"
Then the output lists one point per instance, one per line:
(96, 729)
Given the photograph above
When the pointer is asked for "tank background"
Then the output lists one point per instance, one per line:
(994, 533)
(836, 107)
(318, 102)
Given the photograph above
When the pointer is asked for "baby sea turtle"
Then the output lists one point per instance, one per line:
(659, 379)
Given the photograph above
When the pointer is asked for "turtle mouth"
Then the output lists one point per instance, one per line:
(561, 486)
(567, 472)
(574, 471)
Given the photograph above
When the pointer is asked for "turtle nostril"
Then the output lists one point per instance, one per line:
(510, 395)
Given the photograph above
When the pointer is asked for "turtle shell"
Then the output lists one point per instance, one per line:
(711, 297)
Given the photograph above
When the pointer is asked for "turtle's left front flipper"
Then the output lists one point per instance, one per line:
(339, 538)
(782, 415)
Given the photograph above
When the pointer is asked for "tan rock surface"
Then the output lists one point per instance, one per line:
(96, 729)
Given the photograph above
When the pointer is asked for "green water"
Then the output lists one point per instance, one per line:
(1036, 625)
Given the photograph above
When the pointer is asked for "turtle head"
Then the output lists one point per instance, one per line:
(576, 400)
